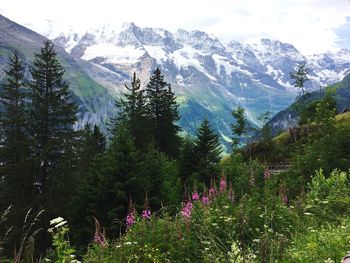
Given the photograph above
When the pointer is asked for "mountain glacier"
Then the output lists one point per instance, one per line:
(210, 78)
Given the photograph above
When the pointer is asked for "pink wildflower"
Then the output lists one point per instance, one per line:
(283, 195)
(211, 192)
(130, 219)
(195, 196)
(146, 214)
(99, 237)
(186, 210)
(205, 200)
(222, 185)
(267, 174)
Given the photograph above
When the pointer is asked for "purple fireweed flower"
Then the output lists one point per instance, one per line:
(99, 237)
(211, 192)
(146, 214)
(285, 199)
(186, 210)
(222, 185)
(283, 195)
(195, 196)
(267, 174)
(130, 219)
(205, 200)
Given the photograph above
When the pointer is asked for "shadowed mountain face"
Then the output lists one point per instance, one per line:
(95, 102)
(210, 78)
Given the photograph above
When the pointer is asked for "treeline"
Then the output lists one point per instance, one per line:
(48, 167)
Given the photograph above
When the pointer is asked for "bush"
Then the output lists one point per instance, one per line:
(328, 244)
(328, 198)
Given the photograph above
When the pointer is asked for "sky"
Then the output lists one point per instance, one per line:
(312, 26)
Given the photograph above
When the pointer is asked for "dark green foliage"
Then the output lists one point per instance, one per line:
(93, 142)
(104, 192)
(308, 113)
(163, 113)
(325, 149)
(239, 129)
(115, 178)
(208, 152)
(160, 178)
(187, 160)
(52, 115)
(247, 175)
(15, 165)
(300, 76)
(132, 112)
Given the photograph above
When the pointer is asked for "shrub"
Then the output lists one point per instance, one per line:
(319, 245)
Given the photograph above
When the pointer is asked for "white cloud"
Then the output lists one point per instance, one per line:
(308, 24)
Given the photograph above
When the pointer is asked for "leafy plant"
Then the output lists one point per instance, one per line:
(64, 253)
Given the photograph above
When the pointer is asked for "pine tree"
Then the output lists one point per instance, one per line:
(94, 141)
(133, 113)
(52, 116)
(111, 179)
(240, 128)
(163, 113)
(208, 150)
(187, 160)
(300, 76)
(14, 142)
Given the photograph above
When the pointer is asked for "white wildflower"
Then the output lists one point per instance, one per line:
(61, 224)
(56, 220)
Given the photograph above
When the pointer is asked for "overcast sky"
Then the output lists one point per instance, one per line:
(311, 25)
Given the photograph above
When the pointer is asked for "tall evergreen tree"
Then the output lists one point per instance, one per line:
(94, 141)
(111, 179)
(187, 160)
(240, 127)
(52, 116)
(208, 151)
(163, 113)
(133, 113)
(300, 76)
(14, 143)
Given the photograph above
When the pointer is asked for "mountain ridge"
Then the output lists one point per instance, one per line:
(210, 78)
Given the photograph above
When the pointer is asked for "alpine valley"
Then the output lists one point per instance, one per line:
(210, 78)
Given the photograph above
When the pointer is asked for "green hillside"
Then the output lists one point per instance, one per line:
(93, 99)
(289, 117)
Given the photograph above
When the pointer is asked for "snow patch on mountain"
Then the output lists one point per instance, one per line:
(114, 54)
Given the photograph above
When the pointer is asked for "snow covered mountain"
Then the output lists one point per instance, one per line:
(210, 78)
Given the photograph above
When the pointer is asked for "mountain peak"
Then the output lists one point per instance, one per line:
(128, 26)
